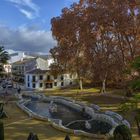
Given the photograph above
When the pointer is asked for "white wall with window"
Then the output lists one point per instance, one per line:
(44, 80)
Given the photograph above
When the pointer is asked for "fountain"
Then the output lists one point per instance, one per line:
(87, 125)
(71, 117)
(52, 107)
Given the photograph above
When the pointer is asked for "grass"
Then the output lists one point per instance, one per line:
(137, 96)
(18, 126)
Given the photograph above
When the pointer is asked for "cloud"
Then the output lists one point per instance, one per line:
(27, 13)
(26, 7)
(28, 39)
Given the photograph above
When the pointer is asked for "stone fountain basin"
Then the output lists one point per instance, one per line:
(69, 116)
(64, 112)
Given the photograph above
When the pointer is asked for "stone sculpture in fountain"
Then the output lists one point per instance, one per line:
(52, 107)
(87, 125)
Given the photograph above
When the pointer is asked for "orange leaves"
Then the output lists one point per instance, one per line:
(98, 34)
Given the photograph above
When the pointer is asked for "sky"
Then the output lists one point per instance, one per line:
(25, 24)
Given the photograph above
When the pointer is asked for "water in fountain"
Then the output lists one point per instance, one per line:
(65, 113)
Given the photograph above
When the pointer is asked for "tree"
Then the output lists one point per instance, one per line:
(135, 73)
(69, 52)
(111, 41)
(97, 39)
(122, 132)
(3, 57)
(136, 64)
(137, 120)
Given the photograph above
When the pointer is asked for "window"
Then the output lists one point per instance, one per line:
(22, 68)
(28, 78)
(55, 84)
(34, 85)
(41, 85)
(41, 77)
(19, 67)
(55, 77)
(62, 77)
(62, 84)
(28, 84)
(48, 78)
(33, 78)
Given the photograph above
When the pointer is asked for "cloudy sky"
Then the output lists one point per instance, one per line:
(25, 24)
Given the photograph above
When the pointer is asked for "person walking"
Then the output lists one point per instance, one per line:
(19, 90)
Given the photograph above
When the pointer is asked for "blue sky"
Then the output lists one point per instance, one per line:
(26, 23)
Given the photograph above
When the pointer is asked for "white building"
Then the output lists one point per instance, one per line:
(14, 57)
(18, 56)
(42, 79)
(20, 68)
(34, 73)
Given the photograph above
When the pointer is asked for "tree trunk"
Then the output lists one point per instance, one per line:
(80, 84)
(103, 90)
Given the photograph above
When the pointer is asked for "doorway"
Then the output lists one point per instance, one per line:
(49, 85)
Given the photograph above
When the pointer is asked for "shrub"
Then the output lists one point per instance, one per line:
(137, 119)
(128, 106)
(124, 107)
(135, 84)
(122, 132)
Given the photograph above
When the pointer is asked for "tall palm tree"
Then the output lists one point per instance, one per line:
(3, 57)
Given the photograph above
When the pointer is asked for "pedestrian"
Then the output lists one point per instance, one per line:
(19, 90)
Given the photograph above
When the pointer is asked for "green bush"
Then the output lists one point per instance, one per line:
(137, 96)
(122, 132)
(135, 85)
(1, 131)
(124, 107)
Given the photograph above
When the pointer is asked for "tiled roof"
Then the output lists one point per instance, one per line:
(37, 71)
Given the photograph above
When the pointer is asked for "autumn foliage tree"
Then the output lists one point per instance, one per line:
(97, 39)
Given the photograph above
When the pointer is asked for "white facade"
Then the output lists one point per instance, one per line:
(35, 74)
(18, 56)
(44, 80)
(20, 68)
(14, 57)
(50, 61)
